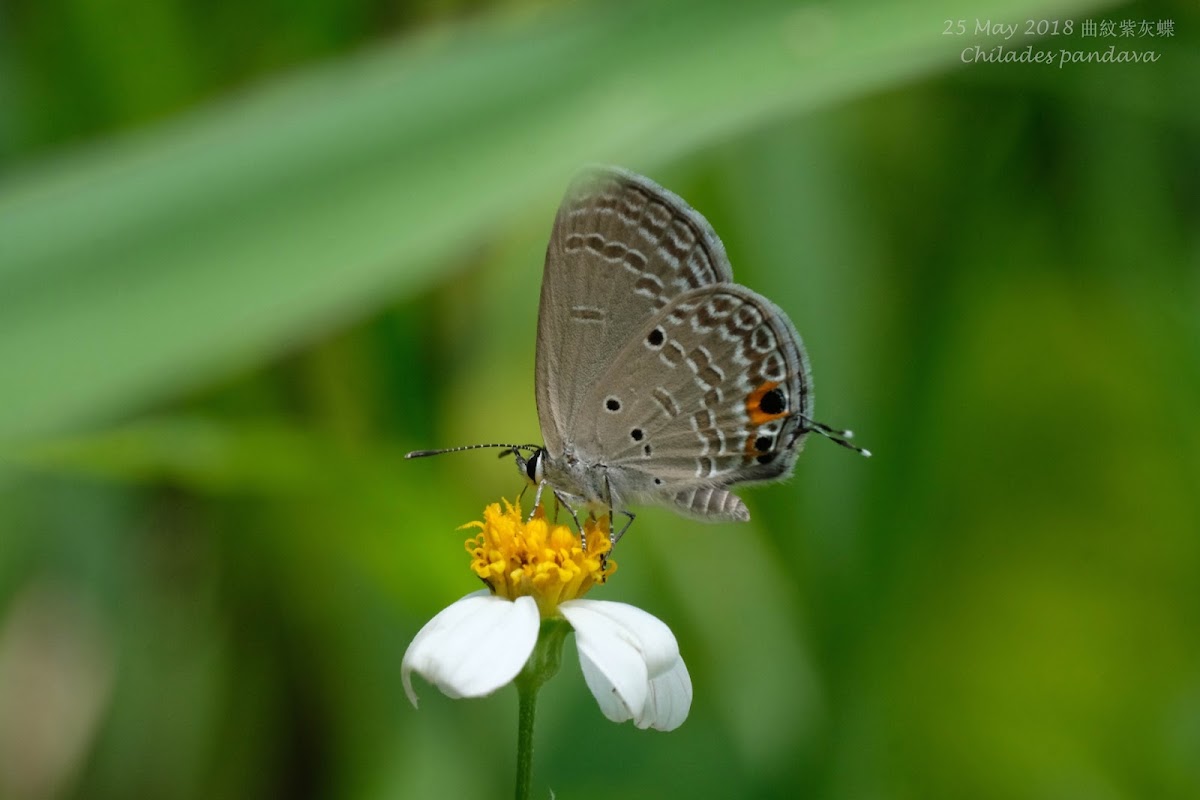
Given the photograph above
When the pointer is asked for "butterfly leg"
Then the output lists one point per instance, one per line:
(628, 522)
(614, 538)
(561, 501)
(537, 500)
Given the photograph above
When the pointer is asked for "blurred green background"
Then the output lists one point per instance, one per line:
(251, 253)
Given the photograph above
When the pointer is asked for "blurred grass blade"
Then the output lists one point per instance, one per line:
(146, 264)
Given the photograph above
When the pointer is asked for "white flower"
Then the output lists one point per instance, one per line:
(630, 658)
(535, 571)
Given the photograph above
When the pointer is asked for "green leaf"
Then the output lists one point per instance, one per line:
(142, 266)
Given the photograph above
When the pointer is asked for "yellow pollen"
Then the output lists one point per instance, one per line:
(536, 558)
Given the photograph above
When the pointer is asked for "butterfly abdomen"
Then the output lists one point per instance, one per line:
(712, 504)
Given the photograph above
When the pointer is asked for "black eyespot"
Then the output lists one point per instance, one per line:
(612, 404)
(647, 450)
(762, 444)
(772, 402)
(656, 337)
(636, 434)
(658, 481)
(766, 458)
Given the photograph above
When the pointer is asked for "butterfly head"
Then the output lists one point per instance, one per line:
(531, 466)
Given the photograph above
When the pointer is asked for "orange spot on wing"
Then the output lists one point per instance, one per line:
(754, 402)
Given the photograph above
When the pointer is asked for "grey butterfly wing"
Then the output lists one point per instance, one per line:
(712, 391)
(621, 249)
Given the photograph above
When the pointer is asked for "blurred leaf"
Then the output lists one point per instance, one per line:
(146, 264)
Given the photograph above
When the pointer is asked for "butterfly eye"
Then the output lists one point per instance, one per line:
(533, 467)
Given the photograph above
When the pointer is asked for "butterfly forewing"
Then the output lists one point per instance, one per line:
(621, 250)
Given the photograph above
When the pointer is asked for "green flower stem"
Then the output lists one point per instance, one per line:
(542, 666)
(528, 707)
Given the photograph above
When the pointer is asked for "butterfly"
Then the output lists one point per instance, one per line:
(659, 381)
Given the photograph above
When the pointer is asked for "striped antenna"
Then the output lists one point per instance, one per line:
(508, 448)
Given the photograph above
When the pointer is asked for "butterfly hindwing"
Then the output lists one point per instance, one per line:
(712, 391)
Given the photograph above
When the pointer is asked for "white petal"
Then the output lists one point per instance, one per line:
(669, 700)
(631, 663)
(614, 672)
(473, 646)
(650, 634)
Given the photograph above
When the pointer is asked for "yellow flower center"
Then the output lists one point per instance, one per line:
(536, 558)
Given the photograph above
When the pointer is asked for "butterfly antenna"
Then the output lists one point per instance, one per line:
(508, 448)
(837, 436)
